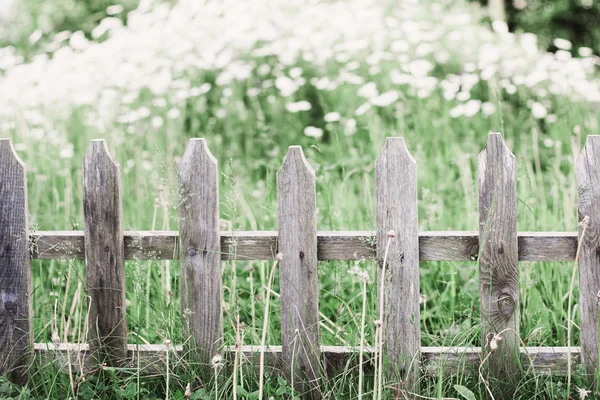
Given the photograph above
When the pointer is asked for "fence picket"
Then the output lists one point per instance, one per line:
(201, 283)
(396, 195)
(498, 263)
(16, 339)
(296, 198)
(588, 180)
(104, 252)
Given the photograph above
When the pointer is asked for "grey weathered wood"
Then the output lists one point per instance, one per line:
(201, 283)
(498, 263)
(104, 253)
(396, 203)
(340, 245)
(296, 200)
(16, 337)
(588, 183)
(449, 360)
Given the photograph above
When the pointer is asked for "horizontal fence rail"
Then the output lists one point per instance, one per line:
(339, 245)
(396, 246)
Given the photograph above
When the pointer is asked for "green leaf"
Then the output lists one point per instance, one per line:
(464, 392)
(129, 392)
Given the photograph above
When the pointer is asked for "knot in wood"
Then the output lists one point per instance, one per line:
(500, 250)
(301, 255)
(506, 304)
(191, 252)
(106, 248)
(474, 253)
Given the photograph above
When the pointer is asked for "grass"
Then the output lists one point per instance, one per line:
(250, 144)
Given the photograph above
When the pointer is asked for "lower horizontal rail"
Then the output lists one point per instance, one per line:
(339, 245)
(450, 360)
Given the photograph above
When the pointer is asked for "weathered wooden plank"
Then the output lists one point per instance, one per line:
(201, 283)
(340, 245)
(498, 264)
(299, 294)
(16, 337)
(449, 360)
(587, 170)
(398, 255)
(104, 253)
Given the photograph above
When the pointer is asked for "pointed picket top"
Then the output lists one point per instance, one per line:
(397, 211)
(494, 145)
(498, 263)
(16, 338)
(588, 155)
(395, 147)
(200, 251)
(587, 169)
(7, 150)
(295, 160)
(198, 148)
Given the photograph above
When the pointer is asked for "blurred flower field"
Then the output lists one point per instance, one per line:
(257, 76)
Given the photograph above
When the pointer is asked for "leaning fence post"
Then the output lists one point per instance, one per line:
(498, 263)
(588, 183)
(16, 339)
(200, 279)
(296, 199)
(104, 254)
(396, 202)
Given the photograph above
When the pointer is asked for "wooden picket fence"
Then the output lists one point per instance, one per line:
(201, 246)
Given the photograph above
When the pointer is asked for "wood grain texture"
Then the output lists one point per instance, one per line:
(201, 283)
(299, 294)
(105, 269)
(449, 360)
(587, 169)
(16, 339)
(396, 201)
(498, 264)
(340, 245)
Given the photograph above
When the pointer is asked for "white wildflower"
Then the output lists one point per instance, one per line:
(156, 122)
(173, 113)
(368, 90)
(114, 9)
(457, 111)
(332, 116)
(312, 131)
(286, 86)
(298, 106)
(35, 36)
(217, 361)
(500, 27)
(472, 107)
(488, 108)
(78, 41)
(583, 393)
(296, 72)
(420, 68)
(463, 96)
(67, 151)
(362, 109)
(585, 52)
(538, 110)
(350, 127)
(562, 44)
(384, 99)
